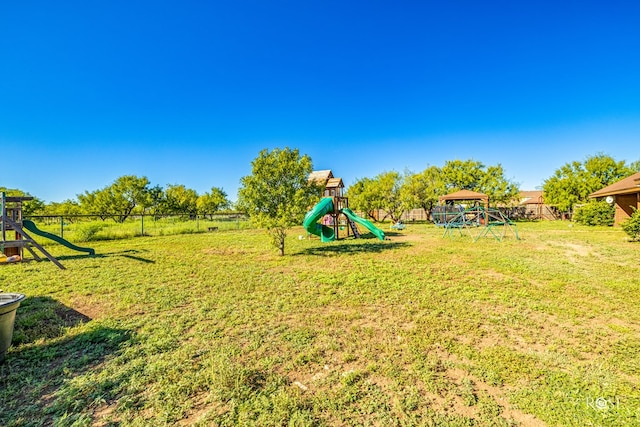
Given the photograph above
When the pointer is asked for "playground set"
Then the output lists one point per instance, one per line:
(333, 212)
(12, 250)
(476, 220)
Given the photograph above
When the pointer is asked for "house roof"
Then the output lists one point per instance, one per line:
(628, 185)
(464, 195)
(531, 197)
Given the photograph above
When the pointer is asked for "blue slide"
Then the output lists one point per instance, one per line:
(325, 206)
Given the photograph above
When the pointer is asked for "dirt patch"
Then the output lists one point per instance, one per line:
(103, 416)
(226, 251)
(460, 377)
(580, 250)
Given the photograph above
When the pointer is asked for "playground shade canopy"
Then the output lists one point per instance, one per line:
(465, 195)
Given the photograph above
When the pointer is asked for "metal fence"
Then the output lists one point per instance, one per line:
(84, 228)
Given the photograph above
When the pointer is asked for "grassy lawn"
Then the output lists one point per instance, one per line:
(217, 329)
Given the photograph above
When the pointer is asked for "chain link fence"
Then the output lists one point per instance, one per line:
(86, 228)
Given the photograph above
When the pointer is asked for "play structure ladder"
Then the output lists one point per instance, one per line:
(354, 228)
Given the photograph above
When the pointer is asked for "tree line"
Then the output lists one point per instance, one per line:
(568, 187)
(131, 195)
(396, 193)
(278, 193)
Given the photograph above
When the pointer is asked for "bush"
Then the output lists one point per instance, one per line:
(88, 233)
(595, 213)
(632, 225)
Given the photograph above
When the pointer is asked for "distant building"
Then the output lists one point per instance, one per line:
(531, 206)
(625, 194)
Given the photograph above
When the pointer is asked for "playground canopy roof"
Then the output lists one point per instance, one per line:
(628, 185)
(465, 195)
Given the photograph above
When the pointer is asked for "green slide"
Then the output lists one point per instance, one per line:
(364, 222)
(310, 222)
(30, 225)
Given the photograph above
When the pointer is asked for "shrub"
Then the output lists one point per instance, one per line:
(632, 225)
(88, 233)
(595, 213)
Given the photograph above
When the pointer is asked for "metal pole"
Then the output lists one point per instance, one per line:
(4, 216)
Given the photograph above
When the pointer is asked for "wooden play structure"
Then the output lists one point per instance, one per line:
(333, 211)
(334, 188)
(14, 239)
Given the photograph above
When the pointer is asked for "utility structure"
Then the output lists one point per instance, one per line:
(333, 211)
(12, 222)
(477, 220)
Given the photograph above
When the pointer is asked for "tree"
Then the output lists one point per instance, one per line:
(119, 200)
(462, 175)
(29, 207)
(475, 176)
(382, 192)
(362, 197)
(497, 187)
(278, 193)
(423, 189)
(180, 199)
(157, 201)
(573, 182)
(210, 203)
(68, 207)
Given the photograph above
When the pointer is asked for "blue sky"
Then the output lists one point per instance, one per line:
(189, 92)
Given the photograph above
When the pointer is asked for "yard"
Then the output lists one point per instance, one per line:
(217, 329)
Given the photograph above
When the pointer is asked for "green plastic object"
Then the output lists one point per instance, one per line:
(364, 222)
(310, 222)
(9, 304)
(31, 226)
(327, 234)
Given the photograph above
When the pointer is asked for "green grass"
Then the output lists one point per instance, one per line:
(217, 329)
(87, 229)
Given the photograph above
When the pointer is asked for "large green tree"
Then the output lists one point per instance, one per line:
(278, 193)
(181, 200)
(423, 188)
(475, 176)
(382, 192)
(572, 183)
(214, 201)
(118, 200)
(362, 196)
(157, 201)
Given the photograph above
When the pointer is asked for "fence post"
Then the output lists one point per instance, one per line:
(61, 227)
(142, 223)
